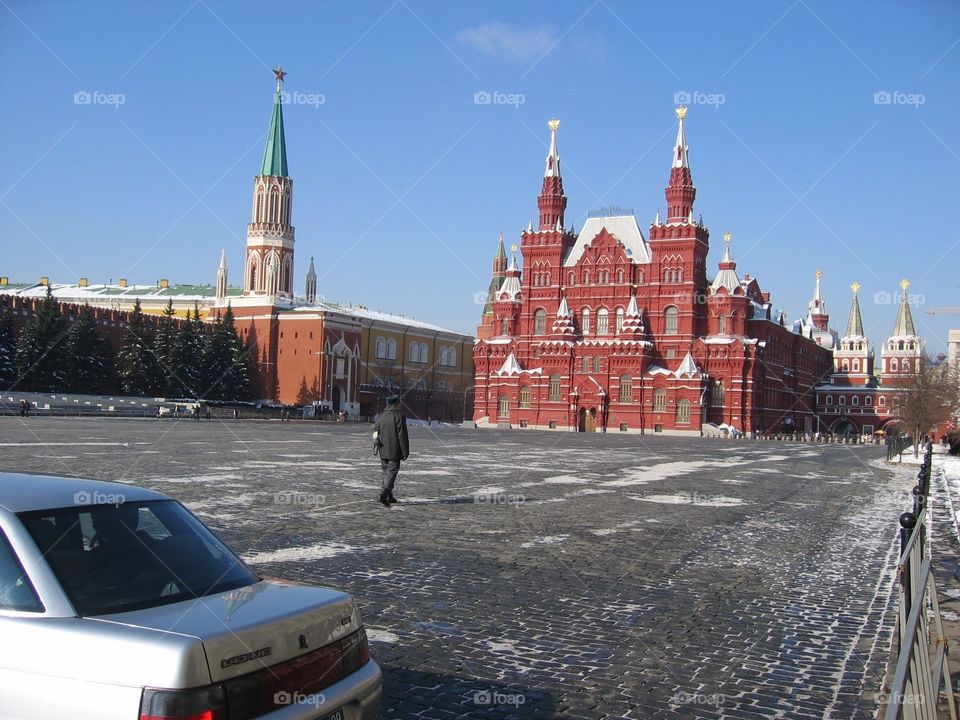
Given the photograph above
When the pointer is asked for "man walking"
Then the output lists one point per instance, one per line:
(394, 446)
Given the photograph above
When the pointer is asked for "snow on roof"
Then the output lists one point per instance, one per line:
(717, 340)
(510, 366)
(657, 370)
(368, 314)
(623, 227)
(688, 367)
(67, 292)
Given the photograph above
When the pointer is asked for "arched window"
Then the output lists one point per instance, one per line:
(603, 322)
(717, 396)
(585, 321)
(856, 365)
(626, 388)
(525, 396)
(894, 365)
(381, 348)
(504, 326)
(868, 400)
(619, 320)
(619, 276)
(659, 400)
(596, 364)
(829, 400)
(722, 324)
(843, 400)
(540, 322)
(855, 400)
(443, 355)
(571, 279)
(883, 401)
(414, 352)
(451, 357)
(683, 411)
(392, 349)
(554, 387)
(845, 365)
(670, 320)
(423, 352)
(586, 277)
(274, 205)
(254, 272)
(503, 406)
(585, 364)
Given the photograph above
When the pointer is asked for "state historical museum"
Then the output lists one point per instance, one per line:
(610, 329)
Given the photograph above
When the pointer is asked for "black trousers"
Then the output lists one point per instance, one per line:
(390, 469)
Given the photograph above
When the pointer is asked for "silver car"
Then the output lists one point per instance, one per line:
(116, 603)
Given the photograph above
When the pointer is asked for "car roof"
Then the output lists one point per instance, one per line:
(22, 492)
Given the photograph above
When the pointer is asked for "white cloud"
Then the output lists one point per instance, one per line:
(508, 42)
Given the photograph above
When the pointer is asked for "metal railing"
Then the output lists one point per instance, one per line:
(922, 668)
(896, 446)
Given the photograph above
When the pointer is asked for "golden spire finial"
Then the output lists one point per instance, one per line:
(855, 287)
(726, 237)
(681, 112)
(553, 124)
(819, 274)
(904, 284)
(513, 248)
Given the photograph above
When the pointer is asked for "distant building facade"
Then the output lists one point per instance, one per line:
(614, 330)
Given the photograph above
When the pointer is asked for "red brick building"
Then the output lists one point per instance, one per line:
(615, 330)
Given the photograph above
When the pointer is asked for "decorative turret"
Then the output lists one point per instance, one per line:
(632, 319)
(727, 277)
(680, 192)
(903, 351)
(852, 358)
(268, 269)
(563, 324)
(552, 202)
(817, 315)
(222, 278)
(311, 283)
(508, 299)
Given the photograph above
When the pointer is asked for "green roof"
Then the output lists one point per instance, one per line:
(275, 154)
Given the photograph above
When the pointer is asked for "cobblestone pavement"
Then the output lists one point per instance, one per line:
(546, 574)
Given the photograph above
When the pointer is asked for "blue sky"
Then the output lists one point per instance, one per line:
(403, 180)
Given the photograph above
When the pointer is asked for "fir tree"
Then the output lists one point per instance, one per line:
(164, 351)
(86, 353)
(40, 356)
(135, 363)
(8, 367)
(187, 357)
(226, 372)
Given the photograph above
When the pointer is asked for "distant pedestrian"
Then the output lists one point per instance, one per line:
(23, 408)
(393, 445)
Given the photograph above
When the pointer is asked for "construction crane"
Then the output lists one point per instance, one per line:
(944, 311)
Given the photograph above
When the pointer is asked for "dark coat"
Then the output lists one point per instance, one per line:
(392, 433)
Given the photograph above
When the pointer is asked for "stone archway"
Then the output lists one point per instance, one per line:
(844, 426)
(337, 398)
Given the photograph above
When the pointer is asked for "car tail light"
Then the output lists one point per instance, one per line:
(355, 650)
(203, 703)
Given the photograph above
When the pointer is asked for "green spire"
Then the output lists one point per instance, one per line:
(903, 327)
(501, 253)
(275, 154)
(854, 320)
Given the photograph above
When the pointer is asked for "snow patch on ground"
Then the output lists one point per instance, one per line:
(665, 471)
(692, 499)
(382, 636)
(545, 540)
(318, 551)
(565, 480)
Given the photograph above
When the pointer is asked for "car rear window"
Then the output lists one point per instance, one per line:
(16, 592)
(134, 555)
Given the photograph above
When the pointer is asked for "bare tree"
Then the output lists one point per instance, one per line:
(929, 397)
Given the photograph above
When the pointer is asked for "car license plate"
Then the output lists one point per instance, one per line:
(335, 715)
